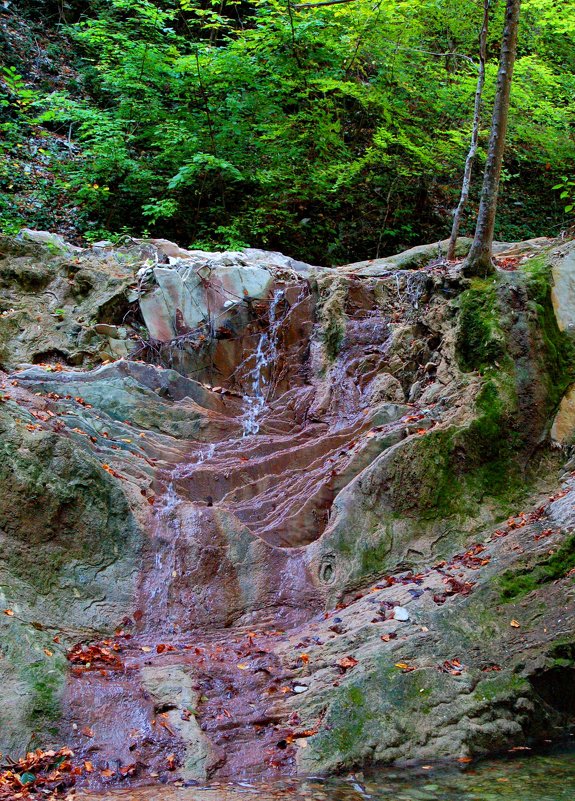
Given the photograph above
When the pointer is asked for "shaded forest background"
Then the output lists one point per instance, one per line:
(332, 133)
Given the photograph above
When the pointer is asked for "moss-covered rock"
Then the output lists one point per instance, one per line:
(70, 549)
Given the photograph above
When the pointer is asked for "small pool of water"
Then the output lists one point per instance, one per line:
(525, 777)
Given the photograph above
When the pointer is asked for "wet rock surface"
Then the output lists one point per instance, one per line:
(315, 527)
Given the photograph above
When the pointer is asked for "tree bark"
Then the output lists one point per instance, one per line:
(474, 135)
(480, 261)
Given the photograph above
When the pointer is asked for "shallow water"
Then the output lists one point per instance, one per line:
(548, 777)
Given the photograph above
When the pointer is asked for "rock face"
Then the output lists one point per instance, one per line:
(265, 534)
(563, 293)
(207, 290)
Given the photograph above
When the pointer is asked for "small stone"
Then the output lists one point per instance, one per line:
(300, 688)
(400, 613)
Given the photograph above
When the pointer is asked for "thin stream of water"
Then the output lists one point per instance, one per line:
(265, 355)
(169, 530)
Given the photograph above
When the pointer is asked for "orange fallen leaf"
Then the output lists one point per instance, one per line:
(87, 731)
(9, 612)
(515, 624)
(88, 767)
(304, 658)
(48, 652)
(171, 761)
(347, 662)
(107, 773)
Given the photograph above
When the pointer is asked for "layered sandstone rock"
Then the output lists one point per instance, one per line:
(277, 440)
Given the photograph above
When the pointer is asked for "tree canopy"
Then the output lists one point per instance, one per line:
(332, 132)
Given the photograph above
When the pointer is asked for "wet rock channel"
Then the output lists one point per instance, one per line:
(265, 519)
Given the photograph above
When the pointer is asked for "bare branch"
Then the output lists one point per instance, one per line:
(322, 3)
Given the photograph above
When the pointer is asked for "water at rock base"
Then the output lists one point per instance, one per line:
(522, 777)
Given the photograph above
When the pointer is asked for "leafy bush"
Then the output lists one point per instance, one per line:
(333, 133)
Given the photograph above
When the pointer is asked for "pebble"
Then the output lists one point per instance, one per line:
(400, 613)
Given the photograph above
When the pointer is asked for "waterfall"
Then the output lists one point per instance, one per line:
(266, 353)
(168, 533)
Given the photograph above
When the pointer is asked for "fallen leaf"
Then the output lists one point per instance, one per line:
(347, 663)
(9, 612)
(404, 667)
(88, 767)
(171, 762)
(515, 624)
(242, 666)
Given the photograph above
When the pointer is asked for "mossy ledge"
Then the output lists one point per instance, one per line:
(519, 582)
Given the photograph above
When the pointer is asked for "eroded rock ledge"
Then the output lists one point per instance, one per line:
(205, 455)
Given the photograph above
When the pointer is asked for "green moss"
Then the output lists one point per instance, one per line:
(44, 701)
(33, 686)
(373, 558)
(355, 695)
(517, 583)
(450, 471)
(500, 686)
(348, 717)
(563, 649)
(479, 342)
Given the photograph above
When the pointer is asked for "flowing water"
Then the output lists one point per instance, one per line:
(549, 777)
(264, 357)
(226, 577)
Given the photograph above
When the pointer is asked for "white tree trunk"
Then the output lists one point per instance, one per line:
(474, 135)
(480, 260)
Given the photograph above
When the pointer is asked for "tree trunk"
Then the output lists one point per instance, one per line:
(479, 261)
(474, 135)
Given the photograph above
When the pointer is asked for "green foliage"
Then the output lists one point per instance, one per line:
(335, 133)
(567, 189)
